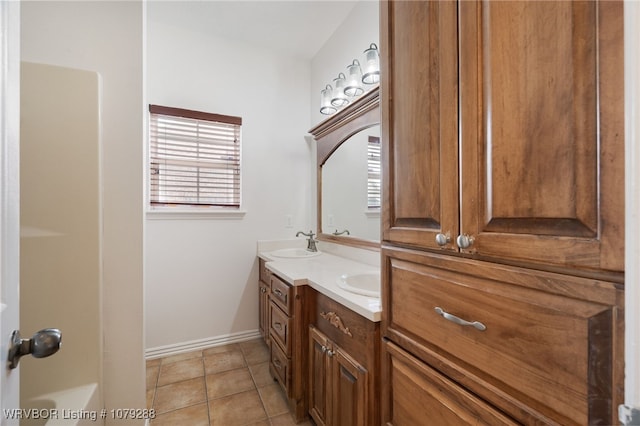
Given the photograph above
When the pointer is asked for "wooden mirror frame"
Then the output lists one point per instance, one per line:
(329, 135)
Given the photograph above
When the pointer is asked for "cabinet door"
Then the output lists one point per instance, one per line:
(319, 377)
(349, 390)
(542, 149)
(419, 99)
(263, 311)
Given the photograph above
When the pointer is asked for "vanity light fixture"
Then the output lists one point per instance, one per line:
(353, 85)
(325, 101)
(372, 66)
(339, 98)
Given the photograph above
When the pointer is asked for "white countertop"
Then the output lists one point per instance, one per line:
(322, 273)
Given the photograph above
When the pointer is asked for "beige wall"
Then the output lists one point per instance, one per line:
(60, 221)
(108, 38)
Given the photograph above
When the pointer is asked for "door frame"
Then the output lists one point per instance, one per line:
(9, 197)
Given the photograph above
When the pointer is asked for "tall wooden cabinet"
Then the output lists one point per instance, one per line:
(504, 123)
(503, 217)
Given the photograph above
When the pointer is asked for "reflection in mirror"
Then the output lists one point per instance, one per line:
(351, 187)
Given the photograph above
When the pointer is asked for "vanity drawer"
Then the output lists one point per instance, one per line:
(280, 329)
(263, 273)
(518, 338)
(351, 331)
(280, 367)
(281, 294)
(414, 389)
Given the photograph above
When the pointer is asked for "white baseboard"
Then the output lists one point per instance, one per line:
(193, 345)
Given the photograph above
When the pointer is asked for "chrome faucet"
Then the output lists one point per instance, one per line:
(311, 243)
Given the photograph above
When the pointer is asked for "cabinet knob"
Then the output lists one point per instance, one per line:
(263, 290)
(323, 349)
(443, 239)
(330, 353)
(465, 241)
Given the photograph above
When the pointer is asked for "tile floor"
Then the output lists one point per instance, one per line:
(226, 385)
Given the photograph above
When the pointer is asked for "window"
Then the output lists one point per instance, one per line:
(194, 158)
(373, 180)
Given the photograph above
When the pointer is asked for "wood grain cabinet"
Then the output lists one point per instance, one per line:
(288, 322)
(337, 383)
(503, 212)
(504, 130)
(344, 361)
(264, 290)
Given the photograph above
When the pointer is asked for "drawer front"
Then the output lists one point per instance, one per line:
(263, 273)
(280, 367)
(416, 394)
(281, 294)
(520, 340)
(346, 328)
(280, 329)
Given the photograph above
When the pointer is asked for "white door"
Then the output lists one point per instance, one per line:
(9, 200)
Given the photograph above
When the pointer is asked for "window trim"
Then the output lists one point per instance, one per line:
(191, 211)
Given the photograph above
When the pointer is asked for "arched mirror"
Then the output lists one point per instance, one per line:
(349, 174)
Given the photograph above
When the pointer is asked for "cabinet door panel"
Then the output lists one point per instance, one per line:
(419, 95)
(319, 378)
(542, 133)
(349, 390)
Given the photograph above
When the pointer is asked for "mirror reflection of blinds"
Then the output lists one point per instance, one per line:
(375, 174)
(194, 158)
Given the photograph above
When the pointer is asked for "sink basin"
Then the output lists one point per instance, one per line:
(295, 253)
(366, 284)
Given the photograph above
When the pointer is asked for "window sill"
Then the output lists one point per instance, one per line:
(193, 214)
(373, 213)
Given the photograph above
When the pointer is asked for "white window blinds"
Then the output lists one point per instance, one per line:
(374, 176)
(194, 158)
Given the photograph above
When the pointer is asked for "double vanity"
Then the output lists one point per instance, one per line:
(320, 316)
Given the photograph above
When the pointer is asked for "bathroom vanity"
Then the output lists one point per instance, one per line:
(324, 340)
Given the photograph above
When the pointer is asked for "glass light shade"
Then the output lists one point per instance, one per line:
(339, 99)
(353, 85)
(325, 101)
(372, 66)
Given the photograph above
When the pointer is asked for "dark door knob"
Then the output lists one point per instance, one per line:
(41, 345)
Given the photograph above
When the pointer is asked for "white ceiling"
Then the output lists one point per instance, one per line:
(295, 27)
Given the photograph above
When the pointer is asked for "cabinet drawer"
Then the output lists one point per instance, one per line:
(280, 329)
(414, 389)
(263, 273)
(534, 340)
(280, 367)
(281, 294)
(346, 328)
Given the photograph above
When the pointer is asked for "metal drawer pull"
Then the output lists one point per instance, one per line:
(278, 292)
(277, 326)
(277, 364)
(476, 324)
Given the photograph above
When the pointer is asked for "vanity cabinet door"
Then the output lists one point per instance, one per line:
(264, 290)
(419, 100)
(263, 311)
(319, 378)
(338, 384)
(349, 390)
